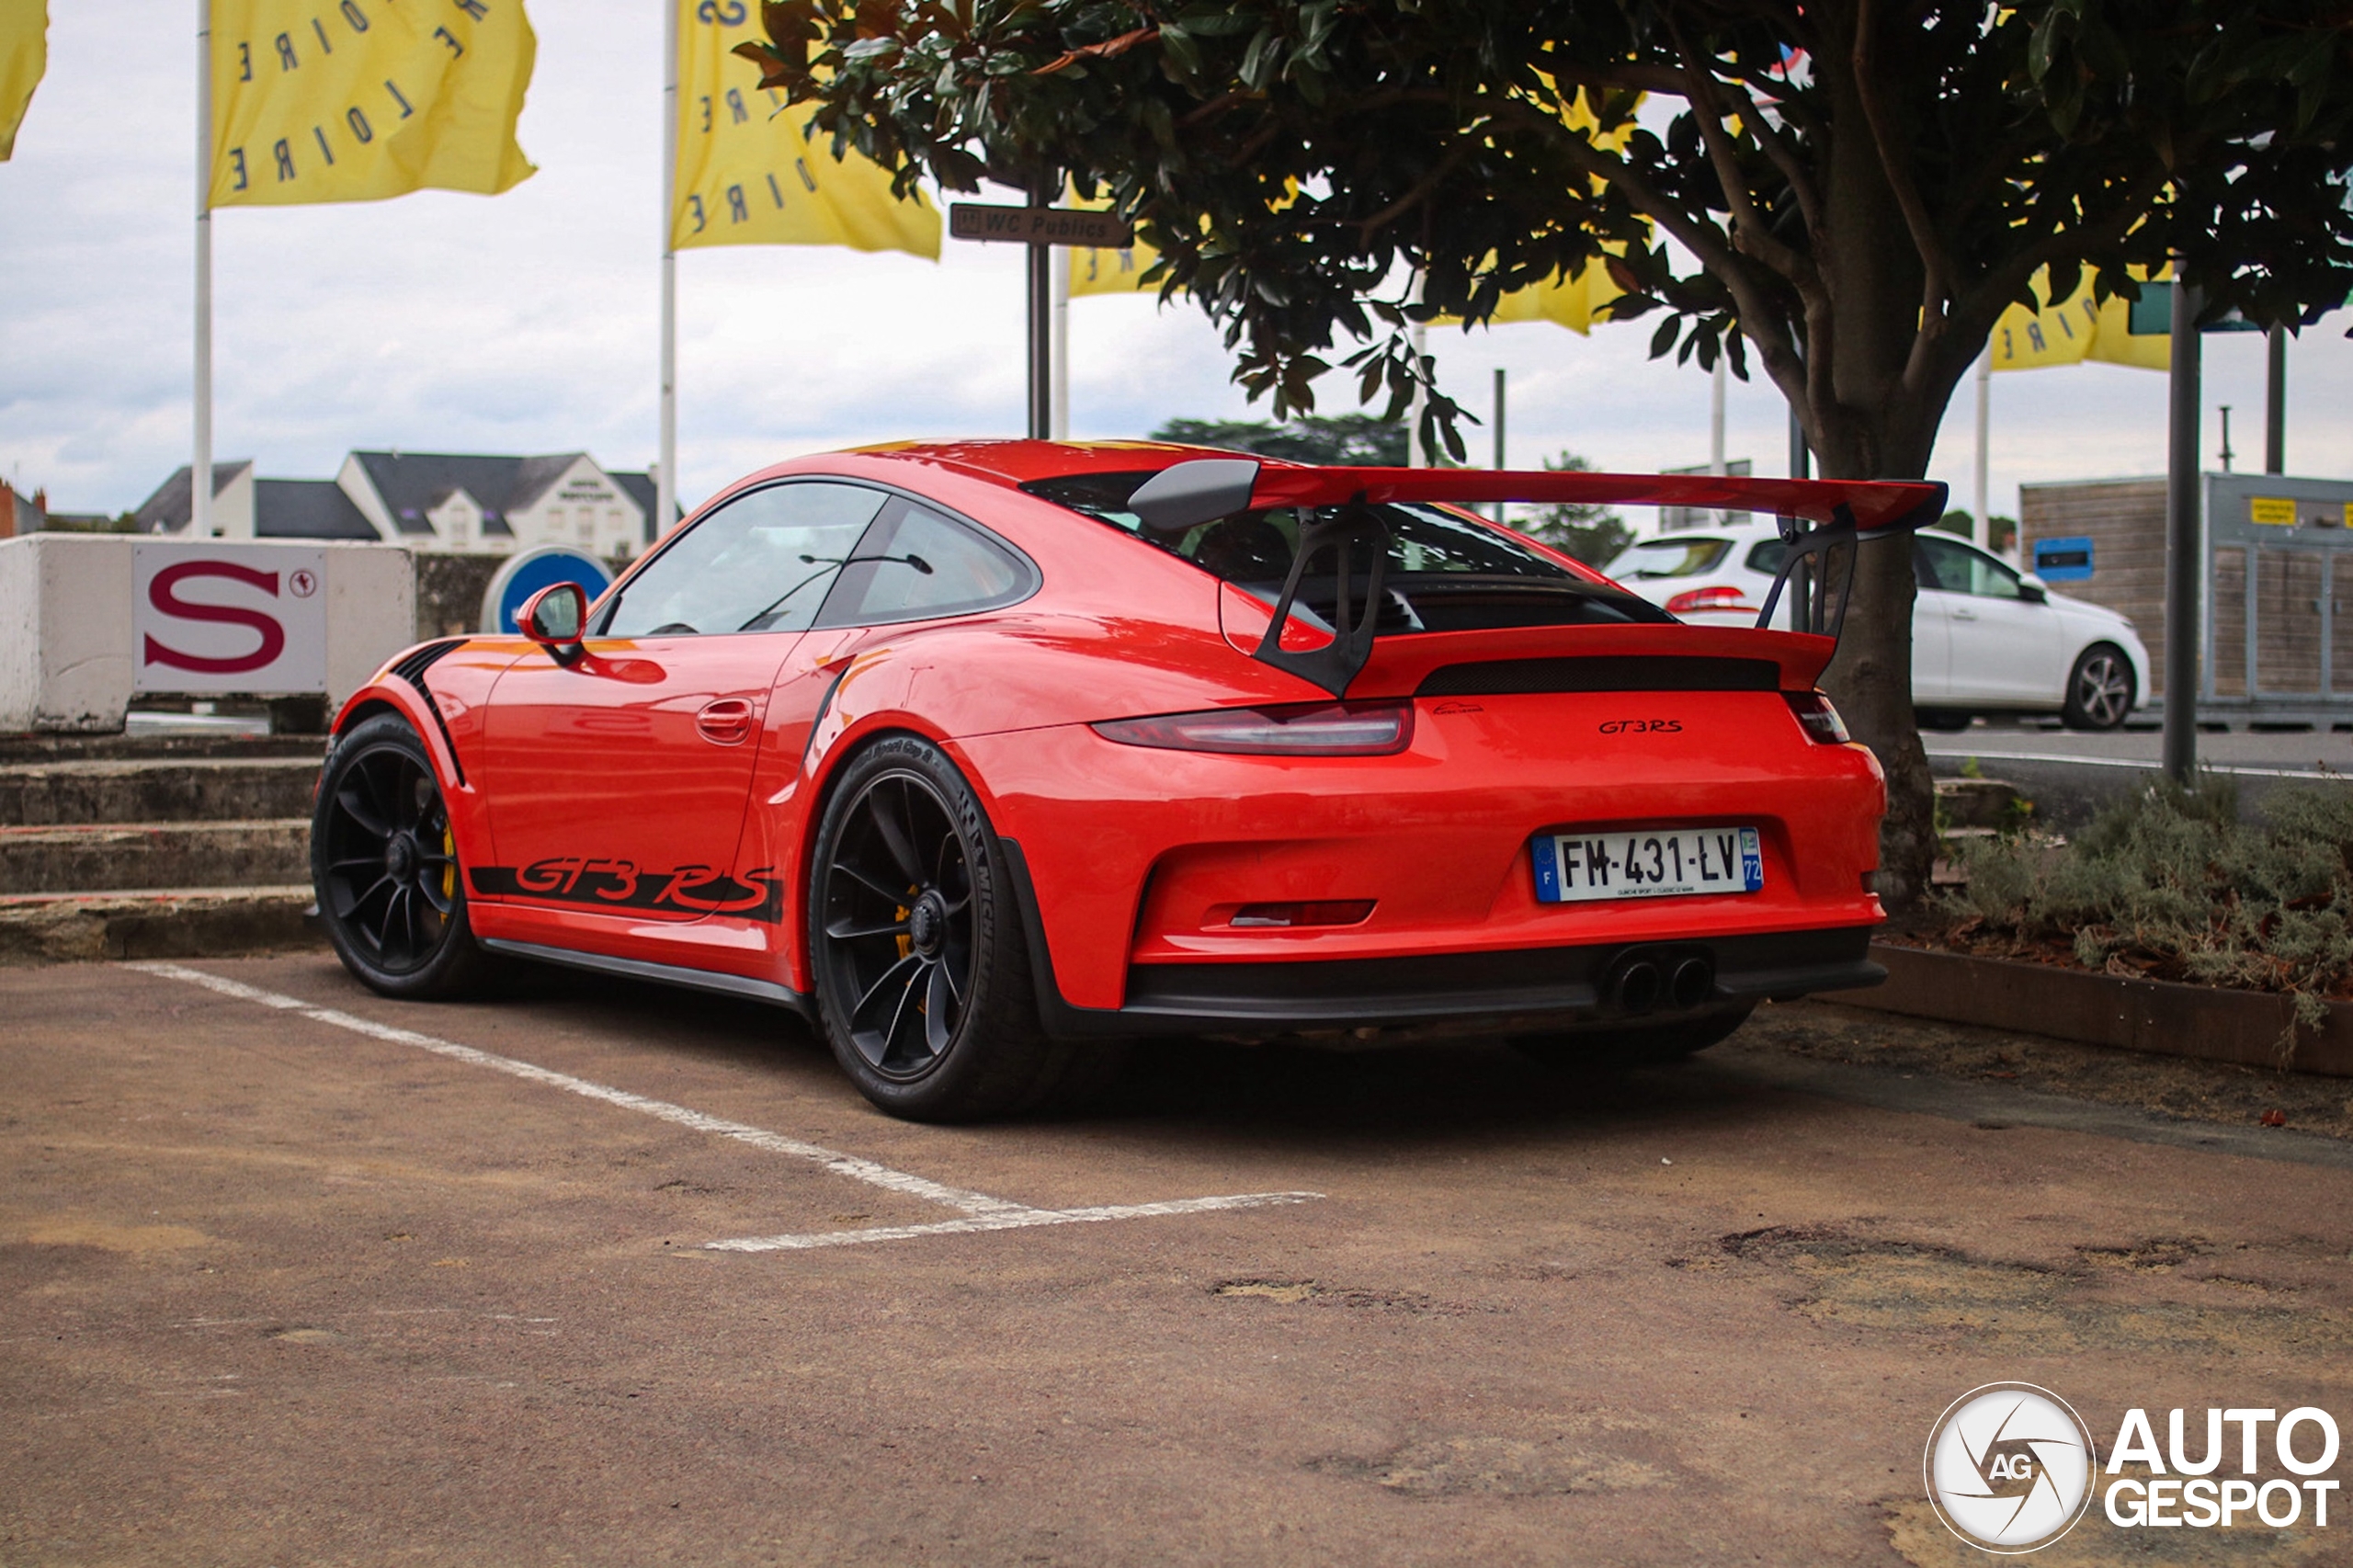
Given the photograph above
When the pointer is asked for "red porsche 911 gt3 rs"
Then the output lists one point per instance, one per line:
(984, 756)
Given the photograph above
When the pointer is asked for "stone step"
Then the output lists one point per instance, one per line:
(205, 788)
(153, 923)
(121, 747)
(103, 856)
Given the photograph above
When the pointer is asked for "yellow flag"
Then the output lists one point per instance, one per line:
(24, 55)
(750, 175)
(2079, 329)
(1097, 271)
(1564, 302)
(356, 101)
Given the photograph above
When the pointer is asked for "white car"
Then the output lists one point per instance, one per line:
(1985, 637)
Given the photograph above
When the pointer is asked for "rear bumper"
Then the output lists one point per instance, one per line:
(1555, 986)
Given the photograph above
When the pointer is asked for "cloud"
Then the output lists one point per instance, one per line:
(528, 322)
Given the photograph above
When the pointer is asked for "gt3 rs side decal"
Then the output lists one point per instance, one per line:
(620, 884)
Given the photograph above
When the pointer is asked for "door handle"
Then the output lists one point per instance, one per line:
(726, 722)
(1961, 614)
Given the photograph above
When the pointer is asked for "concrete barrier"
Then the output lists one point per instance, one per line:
(72, 650)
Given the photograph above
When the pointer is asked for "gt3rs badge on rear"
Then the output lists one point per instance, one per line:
(1641, 726)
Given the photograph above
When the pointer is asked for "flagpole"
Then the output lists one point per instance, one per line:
(1982, 530)
(1059, 426)
(665, 478)
(200, 471)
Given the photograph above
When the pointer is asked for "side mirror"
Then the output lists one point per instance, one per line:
(554, 619)
(2032, 589)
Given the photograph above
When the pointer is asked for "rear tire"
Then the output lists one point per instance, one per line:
(2100, 689)
(1632, 1045)
(924, 985)
(384, 866)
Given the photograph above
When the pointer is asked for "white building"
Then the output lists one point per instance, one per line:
(427, 501)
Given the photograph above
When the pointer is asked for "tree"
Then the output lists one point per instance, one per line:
(2001, 532)
(1352, 440)
(1593, 534)
(1859, 186)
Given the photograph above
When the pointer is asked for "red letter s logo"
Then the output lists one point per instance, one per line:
(160, 595)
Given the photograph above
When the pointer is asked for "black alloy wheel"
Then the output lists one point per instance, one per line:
(898, 923)
(924, 986)
(2099, 689)
(384, 865)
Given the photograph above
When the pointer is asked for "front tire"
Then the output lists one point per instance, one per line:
(2100, 688)
(924, 985)
(384, 866)
(1635, 1045)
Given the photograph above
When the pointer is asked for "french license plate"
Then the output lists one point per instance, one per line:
(1646, 862)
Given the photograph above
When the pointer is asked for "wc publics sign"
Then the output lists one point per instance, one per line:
(228, 618)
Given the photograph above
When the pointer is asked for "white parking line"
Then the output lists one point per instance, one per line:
(982, 1213)
(1019, 1219)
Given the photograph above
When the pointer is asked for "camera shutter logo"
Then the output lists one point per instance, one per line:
(2010, 1468)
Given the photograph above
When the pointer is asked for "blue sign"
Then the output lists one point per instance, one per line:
(527, 574)
(2062, 560)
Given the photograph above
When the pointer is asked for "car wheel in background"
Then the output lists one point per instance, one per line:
(924, 986)
(1943, 720)
(2099, 689)
(384, 865)
(1633, 1045)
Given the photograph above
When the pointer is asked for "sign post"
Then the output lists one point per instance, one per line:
(1039, 226)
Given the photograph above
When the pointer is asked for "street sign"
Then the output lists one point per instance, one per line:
(527, 574)
(2064, 560)
(1039, 226)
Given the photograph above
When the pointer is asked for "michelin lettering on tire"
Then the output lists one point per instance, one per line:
(2010, 1468)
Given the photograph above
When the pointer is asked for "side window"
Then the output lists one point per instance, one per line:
(762, 562)
(1991, 578)
(916, 564)
(1942, 565)
(1957, 569)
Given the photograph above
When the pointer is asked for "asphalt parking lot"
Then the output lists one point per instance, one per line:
(294, 1273)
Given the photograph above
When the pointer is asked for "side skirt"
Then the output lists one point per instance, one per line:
(665, 974)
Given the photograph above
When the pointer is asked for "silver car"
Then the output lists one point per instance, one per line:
(1986, 637)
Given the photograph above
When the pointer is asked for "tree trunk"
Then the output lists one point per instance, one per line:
(1870, 680)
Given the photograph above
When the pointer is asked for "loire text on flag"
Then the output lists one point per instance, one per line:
(356, 101)
(749, 175)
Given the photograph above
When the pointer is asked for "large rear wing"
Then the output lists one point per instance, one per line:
(1816, 517)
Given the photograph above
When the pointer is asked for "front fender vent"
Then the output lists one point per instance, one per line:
(412, 667)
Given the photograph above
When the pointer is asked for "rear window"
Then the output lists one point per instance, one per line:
(1678, 556)
(1444, 572)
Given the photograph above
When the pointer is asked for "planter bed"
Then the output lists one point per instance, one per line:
(2202, 1021)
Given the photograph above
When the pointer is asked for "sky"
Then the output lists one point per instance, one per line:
(528, 322)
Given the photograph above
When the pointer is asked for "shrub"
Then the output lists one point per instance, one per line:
(2170, 885)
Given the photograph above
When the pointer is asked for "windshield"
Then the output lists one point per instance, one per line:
(1443, 572)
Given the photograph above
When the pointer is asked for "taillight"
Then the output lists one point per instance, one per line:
(1707, 598)
(1820, 719)
(1307, 729)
